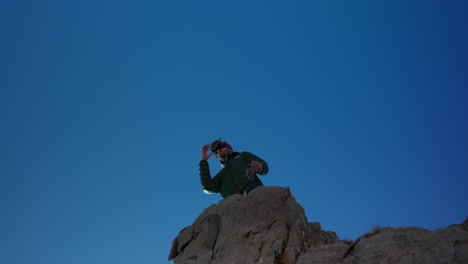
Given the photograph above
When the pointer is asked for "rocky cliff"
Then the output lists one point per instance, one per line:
(269, 226)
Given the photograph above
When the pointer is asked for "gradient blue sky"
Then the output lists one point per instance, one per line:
(360, 107)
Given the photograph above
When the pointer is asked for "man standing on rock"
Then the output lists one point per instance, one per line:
(238, 174)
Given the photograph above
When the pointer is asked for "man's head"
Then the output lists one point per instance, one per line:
(221, 149)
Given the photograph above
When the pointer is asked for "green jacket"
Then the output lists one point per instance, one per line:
(231, 179)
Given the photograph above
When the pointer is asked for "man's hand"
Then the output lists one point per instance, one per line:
(204, 152)
(258, 166)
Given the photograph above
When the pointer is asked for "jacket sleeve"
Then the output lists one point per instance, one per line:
(208, 183)
(249, 157)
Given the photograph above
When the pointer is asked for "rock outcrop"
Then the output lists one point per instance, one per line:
(269, 226)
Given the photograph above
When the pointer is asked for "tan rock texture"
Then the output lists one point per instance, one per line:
(269, 226)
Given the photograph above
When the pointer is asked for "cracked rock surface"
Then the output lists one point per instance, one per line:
(269, 226)
(266, 226)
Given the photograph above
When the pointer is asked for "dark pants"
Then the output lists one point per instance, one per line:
(250, 186)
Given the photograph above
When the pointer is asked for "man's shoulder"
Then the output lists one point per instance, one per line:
(241, 154)
(245, 155)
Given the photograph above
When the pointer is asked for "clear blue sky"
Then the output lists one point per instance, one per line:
(359, 106)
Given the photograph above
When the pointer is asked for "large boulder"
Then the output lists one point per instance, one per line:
(266, 226)
(269, 226)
